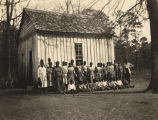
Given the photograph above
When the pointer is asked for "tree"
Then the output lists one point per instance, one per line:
(10, 16)
(152, 6)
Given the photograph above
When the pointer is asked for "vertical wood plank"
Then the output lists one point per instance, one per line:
(91, 50)
(113, 51)
(103, 50)
(58, 49)
(62, 48)
(35, 56)
(73, 48)
(102, 43)
(26, 64)
(48, 40)
(65, 51)
(106, 51)
(94, 50)
(83, 48)
(39, 45)
(67, 54)
(98, 51)
(87, 48)
(43, 48)
(53, 39)
(69, 48)
(108, 47)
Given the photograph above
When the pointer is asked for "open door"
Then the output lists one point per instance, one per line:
(30, 80)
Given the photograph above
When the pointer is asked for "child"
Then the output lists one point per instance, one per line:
(71, 87)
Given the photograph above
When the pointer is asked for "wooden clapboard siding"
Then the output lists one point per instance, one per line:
(62, 48)
(106, 51)
(88, 50)
(43, 49)
(73, 49)
(67, 54)
(94, 54)
(112, 51)
(35, 57)
(58, 48)
(46, 48)
(51, 51)
(27, 27)
(70, 44)
(65, 51)
(39, 47)
(23, 56)
(92, 51)
(85, 48)
(97, 47)
(54, 49)
(103, 50)
(69, 49)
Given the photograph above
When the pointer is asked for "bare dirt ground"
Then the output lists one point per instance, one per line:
(125, 104)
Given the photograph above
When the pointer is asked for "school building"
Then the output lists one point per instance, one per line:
(61, 37)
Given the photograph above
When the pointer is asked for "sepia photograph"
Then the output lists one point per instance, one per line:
(78, 59)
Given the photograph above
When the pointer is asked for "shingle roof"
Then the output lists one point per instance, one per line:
(61, 22)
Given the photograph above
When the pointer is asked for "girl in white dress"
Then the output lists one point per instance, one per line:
(42, 74)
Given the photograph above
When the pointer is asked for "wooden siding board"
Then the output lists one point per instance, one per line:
(58, 49)
(73, 49)
(94, 51)
(27, 27)
(89, 50)
(35, 57)
(98, 50)
(103, 51)
(85, 48)
(65, 49)
(69, 49)
(62, 48)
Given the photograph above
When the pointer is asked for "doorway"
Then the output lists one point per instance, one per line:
(30, 80)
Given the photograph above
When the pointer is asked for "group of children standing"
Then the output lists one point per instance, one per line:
(72, 79)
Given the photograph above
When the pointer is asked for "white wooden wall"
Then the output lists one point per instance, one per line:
(29, 44)
(62, 48)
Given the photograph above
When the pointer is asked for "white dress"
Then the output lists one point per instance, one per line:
(71, 87)
(64, 74)
(43, 76)
(128, 66)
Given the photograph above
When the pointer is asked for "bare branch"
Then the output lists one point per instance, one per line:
(140, 2)
(72, 6)
(27, 4)
(103, 7)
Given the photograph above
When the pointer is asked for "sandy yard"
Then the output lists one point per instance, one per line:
(126, 104)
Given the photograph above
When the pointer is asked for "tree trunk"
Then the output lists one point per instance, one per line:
(152, 6)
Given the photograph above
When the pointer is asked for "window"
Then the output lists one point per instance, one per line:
(78, 50)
